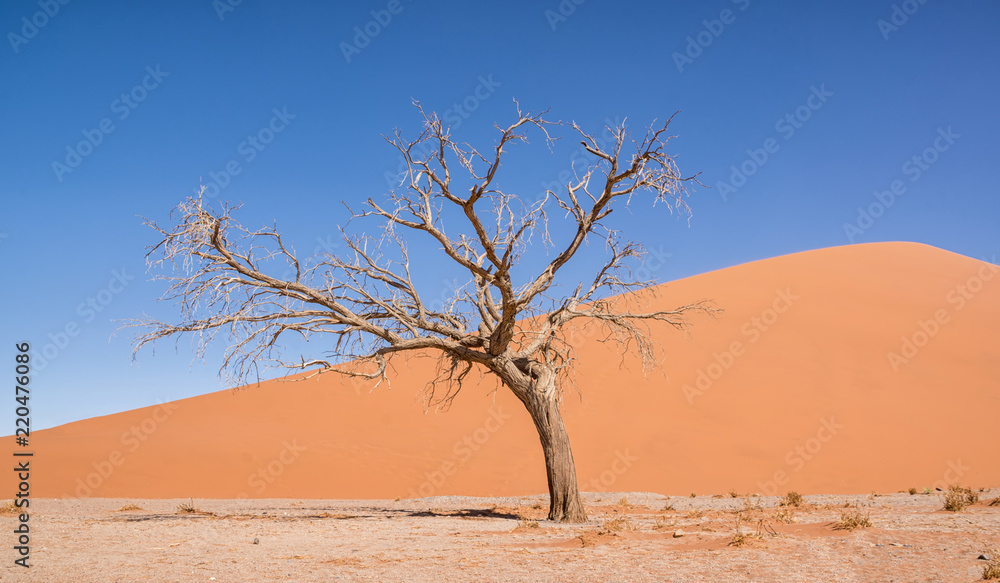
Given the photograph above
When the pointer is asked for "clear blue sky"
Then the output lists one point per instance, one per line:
(170, 92)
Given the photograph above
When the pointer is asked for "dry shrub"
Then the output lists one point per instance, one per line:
(912, 491)
(9, 508)
(853, 518)
(190, 508)
(129, 508)
(785, 515)
(624, 503)
(991, 570)
(792, 498)
(958, 497)
(527, 523)
(617, 524)
(995, 501)
(751, 505)
(743, 537)
(661, 523)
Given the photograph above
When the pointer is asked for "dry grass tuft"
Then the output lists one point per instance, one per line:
(991, 570)
(751, 505)
(995, 501)
(617, 524)
(852, 519)
(958, 497)
(743, 537)
(912, 491)
(792, 498)
(661, 523)
(624, 503)
(128, 508)
(190, 508)
(9, 508)
(524, 523)
(734, 494)
(785, 515)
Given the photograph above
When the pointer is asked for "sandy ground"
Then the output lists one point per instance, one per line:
(631, 537)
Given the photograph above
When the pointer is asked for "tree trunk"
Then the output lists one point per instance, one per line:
(565, 504)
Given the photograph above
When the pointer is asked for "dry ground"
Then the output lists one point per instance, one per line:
(631, 537)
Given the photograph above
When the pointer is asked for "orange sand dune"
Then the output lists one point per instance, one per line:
(795, 386)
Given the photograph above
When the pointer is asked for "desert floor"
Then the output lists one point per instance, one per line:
(631, 537)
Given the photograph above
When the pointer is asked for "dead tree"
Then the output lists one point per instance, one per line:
(365, 301)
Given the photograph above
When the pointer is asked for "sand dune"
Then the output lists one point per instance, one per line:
(842, 370)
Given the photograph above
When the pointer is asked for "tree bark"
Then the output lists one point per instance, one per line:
(542, 403)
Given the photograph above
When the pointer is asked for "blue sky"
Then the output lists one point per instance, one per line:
(165, 95)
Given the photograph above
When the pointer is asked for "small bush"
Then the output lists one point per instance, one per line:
(958, 497)
(734, 494)
(912, 491)
(693, 495)
(129, 508)
(995, 501)
(527, 524)
(792, 498)
(927, 491)
(9, 508)
(852, 519)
